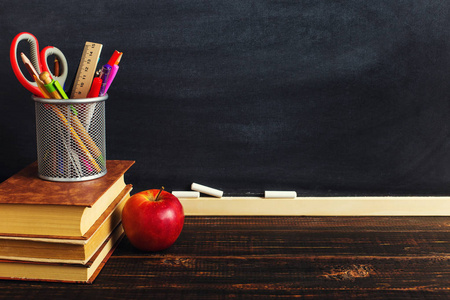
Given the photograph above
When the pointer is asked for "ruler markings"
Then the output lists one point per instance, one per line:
(86, 70)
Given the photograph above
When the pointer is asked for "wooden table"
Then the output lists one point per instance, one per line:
(258, 257)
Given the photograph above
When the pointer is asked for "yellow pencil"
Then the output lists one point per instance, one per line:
(80, 131)
(45, 77)
(41, 87)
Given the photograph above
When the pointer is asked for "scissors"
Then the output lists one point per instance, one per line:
(38, 60)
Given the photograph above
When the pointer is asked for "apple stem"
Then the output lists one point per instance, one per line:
(159, 193)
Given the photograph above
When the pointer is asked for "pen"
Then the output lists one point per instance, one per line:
(106, 71)
(52, 88)
(61, 117)
(78, 140)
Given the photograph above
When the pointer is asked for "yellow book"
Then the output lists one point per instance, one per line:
(21, 270)
(33, 206)
(61, 249)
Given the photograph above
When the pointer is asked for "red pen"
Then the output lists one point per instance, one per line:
(95, 87)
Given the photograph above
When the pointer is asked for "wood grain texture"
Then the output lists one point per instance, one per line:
(259, 257)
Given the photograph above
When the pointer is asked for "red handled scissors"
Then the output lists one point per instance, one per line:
(38, 60)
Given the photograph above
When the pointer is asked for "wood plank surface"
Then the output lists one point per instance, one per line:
(261, 257)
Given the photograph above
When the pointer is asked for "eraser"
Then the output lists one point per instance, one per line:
(206, 190)
(186, 194)
(280, 194)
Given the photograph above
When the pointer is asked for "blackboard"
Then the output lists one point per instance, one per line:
(321, 97)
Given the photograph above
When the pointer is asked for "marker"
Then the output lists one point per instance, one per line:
(114, 70)
(186, 194)
(280, 194)
(53, 87)
(115, 58)
(68, 125)
(206, 190)
(95, 87)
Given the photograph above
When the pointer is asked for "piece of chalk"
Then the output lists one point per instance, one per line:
(186, 194)
(206, 190)
(280, 194)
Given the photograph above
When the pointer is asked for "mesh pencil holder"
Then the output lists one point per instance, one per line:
(71, 138)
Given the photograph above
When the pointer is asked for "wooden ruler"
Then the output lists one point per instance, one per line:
(86, 70)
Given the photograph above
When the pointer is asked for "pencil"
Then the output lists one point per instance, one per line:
(28, 65)
(66, 123)
(41, 87)
(95, 151)
(76, 138)
(45, 94)
(56, 67)
(79, 129)
(45, 77)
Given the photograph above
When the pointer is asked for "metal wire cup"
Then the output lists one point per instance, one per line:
(71, 138)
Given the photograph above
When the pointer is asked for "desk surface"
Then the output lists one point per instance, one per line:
(255, 257)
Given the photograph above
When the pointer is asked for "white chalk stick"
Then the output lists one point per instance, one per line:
(206, 190)
(186, 194)
(280, 194)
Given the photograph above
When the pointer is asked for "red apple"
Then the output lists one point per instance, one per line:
(152, 220)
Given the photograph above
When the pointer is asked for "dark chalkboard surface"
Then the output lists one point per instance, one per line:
(321, 97)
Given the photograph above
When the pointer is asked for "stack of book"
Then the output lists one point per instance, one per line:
(60, 231)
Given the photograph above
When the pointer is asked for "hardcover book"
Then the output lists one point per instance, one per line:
(33, 206)
(37, 271)
(54, 249)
